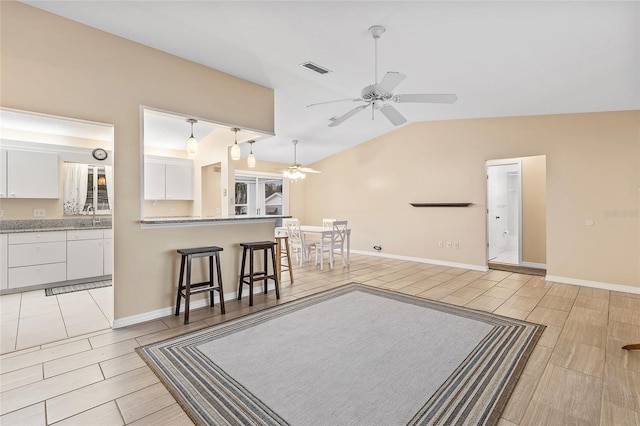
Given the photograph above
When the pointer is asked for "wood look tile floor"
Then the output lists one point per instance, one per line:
(578, 373)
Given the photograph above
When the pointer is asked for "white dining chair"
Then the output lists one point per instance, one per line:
(297, 242)
(332, 242)
(327, 223)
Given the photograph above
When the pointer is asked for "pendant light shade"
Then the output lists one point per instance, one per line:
(235, 149)
(192, 143)
(251, 159)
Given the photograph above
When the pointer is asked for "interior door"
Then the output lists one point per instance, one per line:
(496, 204)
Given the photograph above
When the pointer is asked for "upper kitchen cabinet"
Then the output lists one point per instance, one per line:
(3, 173)
(168, 179)
(29, 174)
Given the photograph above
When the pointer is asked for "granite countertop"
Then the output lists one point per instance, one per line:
(191, 220)
(48, 225)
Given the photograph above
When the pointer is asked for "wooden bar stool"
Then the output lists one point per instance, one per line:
(252, 276)
(283, 256)
(189, 288)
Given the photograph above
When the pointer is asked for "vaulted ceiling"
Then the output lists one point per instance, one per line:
(500, 58)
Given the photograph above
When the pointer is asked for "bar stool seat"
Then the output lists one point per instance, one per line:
(248, 279)
(190, 288)
(283, 256)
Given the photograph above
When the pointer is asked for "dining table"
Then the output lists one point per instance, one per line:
(322, 232)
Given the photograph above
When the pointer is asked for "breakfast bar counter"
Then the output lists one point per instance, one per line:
(170, 221)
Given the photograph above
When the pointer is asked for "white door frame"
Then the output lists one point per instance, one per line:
(505, 162)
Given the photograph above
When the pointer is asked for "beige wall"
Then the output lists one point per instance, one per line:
(592, 168)
(55, 66)
(534, 209)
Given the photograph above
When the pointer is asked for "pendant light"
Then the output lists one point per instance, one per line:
(235, 149)
(251, 159)
(192, 143)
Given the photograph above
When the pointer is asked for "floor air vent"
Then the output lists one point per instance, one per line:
(315, 67)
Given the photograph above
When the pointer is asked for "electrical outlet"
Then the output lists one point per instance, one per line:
(457, 245)
(39, 212)
(449, 244)
(440, 244)
(172, 211)
(1, 213)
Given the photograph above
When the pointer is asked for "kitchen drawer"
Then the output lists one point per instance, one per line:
(35, 275)
(36, 254)
(37, 237)
(85, 234)
(108, 233)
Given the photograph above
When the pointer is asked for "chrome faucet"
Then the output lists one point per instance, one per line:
(94, 220)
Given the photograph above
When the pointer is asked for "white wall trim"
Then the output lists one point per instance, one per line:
(593, 284)
(164, 312)
(482, 268)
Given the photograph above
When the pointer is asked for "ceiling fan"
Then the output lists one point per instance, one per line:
(296, 170)
(378, 95)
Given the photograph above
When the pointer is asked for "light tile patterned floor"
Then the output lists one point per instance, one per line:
(32, 318)
(577, 374)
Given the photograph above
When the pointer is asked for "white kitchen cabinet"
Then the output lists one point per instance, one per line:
(3, 173)
(170, 179)
(35, 258)
(154, 181)
(108, 252)
(4, 248)
(179, 181)
(31, 174)
(85, 254)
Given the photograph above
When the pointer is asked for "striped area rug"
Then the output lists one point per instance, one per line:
(354, 355)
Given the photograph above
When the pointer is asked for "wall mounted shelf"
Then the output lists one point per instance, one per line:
(440, 204)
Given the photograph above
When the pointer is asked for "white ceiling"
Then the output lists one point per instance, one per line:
(502, 58)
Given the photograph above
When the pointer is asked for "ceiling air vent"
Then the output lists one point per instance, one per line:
(315, 67)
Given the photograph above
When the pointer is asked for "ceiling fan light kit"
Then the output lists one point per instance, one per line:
(379, 95)
(296, 171)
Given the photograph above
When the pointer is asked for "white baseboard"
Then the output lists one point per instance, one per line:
(164, 312)
(482, 268)
(533, 265)
(593, 284)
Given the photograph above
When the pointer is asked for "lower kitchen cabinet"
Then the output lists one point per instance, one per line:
(35, 258)
(38, 258)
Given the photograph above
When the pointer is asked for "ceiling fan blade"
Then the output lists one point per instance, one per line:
(435, 98)
(337, 100)
(308, 170)
(390, 81)
(393, 115)
(346, 116)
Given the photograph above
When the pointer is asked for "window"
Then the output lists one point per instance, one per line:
(258, 195)
(87, 189)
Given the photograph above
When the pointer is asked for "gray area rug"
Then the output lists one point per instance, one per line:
(76, 287)
(355, 355)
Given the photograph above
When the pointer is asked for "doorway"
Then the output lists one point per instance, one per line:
(504, 211)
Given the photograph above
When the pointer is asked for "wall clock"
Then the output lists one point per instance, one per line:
(100, 154)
